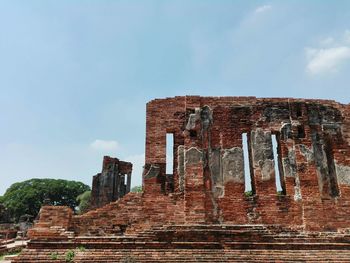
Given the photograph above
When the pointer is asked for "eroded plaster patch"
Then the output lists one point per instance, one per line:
(343, 174)
(233, 165)
(193, 118)
(152, 172)
(307, 153)
(193, 156)
(181, 167)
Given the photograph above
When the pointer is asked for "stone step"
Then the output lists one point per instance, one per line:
(10, 257)
(185, 243)
(188, 255)
(232, 243)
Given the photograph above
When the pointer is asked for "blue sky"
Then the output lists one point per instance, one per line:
(75, 75)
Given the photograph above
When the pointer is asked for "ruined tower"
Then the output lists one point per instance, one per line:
(112, 183)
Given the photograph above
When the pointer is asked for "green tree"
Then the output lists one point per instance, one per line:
(4, 217)
(84, 202)
(136, 189)
(27, 197)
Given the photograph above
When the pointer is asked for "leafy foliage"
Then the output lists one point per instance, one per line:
(53, 256)
(70, 256)
(27, 197)
(4, 215)
(81, 248)
(137, 189)
(84, 202)
(248, 193)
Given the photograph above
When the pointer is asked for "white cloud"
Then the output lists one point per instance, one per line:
(330, 56)
(326, 60)
(102, 145)
(262, 9)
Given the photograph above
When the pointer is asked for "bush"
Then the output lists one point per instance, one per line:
(54, 256)
(136, 189)
(70, 256)
(248, 193)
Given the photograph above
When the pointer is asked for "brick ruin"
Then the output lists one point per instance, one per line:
(112, 183)
(265, 174)
(313, 159)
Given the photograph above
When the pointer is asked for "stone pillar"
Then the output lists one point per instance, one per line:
(194, 186)
(128, 183)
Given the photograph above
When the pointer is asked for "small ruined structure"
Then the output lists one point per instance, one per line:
(8, 231)
(112, 183)
(265, 174)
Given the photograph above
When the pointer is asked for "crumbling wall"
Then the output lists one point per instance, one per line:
(54, 223)
(312, 159)
(163, 116)
(112, 183)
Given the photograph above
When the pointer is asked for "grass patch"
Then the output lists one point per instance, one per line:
(81, 248)
(15, 253)
(54, 256)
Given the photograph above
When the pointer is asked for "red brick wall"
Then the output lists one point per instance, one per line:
(53, 223)
(232, 116)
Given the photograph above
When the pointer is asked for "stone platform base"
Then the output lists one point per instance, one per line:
(197, 243)
(188, 255)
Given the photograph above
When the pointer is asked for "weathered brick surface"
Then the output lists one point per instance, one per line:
(314, 132)
(313, 138)
(193, 255)
(54, 223)
(112, 183)
(208, 243)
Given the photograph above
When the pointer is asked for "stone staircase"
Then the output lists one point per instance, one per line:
(198, 243)
(2, 248)
(187, 255)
